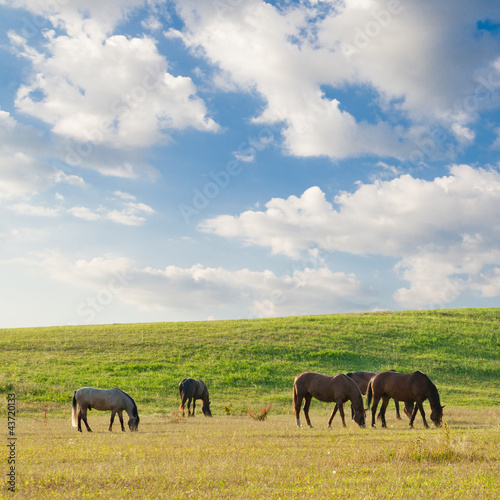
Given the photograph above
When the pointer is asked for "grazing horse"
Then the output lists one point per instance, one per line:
(115, 400)
(362, 380)
(338, 389)
(414, 386)
(190, 389)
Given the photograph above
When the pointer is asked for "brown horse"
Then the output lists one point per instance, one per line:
(414, 386)
(338, 389)
(362, 380)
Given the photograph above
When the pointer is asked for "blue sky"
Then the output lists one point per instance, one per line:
(187, 160)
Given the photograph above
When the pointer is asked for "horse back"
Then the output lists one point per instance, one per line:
(323, 387)
(192, 388)
(100, 399)
(401, 386)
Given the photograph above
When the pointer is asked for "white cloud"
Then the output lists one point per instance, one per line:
(200, 288)
(91, 16)
(290, 53)
(106, 89)
(132, 213)
(34, 210)
(84, 213)
(438, 228)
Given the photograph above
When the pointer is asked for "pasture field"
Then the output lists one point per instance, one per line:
(235, 457)
(251, 364)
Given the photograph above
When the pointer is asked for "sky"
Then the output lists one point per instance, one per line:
(223, 159)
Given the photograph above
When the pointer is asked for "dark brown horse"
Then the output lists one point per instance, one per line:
(414, 386)
(362, 380)
(191, 390)
(338, 389)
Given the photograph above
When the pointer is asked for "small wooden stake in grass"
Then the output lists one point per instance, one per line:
(262, 415)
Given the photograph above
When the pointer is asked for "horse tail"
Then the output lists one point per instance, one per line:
(181, 395)
(369, 395)
(74, 418)
(295, 399)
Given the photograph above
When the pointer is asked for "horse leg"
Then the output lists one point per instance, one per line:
(398, 415)
(333, 414)
(340, 406)
(420, 406)
(376, 399)
(113, 413)
(80, 420)
(413, 415)
(120, 416)
(82, 415)
(383, 407)
(307, 404)
(194, 406)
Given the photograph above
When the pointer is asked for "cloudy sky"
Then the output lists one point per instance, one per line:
(194, 160)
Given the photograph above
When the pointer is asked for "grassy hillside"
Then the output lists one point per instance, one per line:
(251, 362)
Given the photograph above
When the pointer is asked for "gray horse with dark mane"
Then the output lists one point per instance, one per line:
(191, 390)
(114, 400)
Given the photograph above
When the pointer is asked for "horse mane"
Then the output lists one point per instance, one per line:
(433, 392)
(349, 374)
(135, 413)
(434, 395)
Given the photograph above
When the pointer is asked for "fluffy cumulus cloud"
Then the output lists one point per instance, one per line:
(93, 86)
(426, 62)
(445, 232)
(198, 288)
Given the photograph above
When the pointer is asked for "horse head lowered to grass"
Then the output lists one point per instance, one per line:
(414, 386)
(338, 389)
(114, 400)
(362, 380)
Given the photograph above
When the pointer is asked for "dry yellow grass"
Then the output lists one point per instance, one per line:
(238, 457)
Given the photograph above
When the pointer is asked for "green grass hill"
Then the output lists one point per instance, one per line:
(251, 362)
